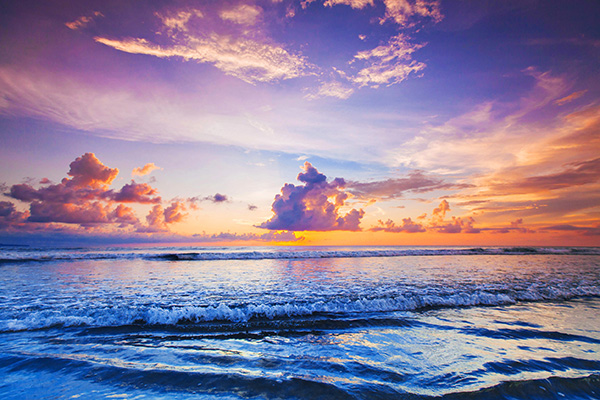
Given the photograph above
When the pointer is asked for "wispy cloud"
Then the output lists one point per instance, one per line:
(245, 59)
(83, 21)
(330, 89)
(387, 64)
(402, 11)
(567, 99)
(416, 182)
(358, 4)
(243, 14)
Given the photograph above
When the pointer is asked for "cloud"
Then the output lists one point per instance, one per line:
(145, 170)
(247, 55)
(586, 230)
(84, 214)
(175, 212)
(457, 225)
(401, 11)
(392, 188)
(83, 21)
(573, 174)
(408, 226)
(357, 4)
(10, 216)
(313, 206)
(387, 64)
(217, 198)
(135, 193)
(177, 21)
(567, 99)
(243, 14)
(88, 171)
(252, 207)
(331, 89)
(441, 210)
(158, 218)
(84, 198)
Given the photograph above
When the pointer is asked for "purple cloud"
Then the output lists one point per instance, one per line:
(308, 207)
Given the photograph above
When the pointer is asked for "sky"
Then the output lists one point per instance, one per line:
(336, 122)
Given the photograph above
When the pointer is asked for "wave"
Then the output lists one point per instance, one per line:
(39, 255)
(266, 314)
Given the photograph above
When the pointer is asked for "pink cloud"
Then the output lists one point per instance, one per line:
(416, 182)
(84, 197)
(135, 193)
(313, 206)
(408, 226)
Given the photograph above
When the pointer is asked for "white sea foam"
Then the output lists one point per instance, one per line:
(334, 308)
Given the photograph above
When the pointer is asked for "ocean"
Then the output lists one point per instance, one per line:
(300, 323)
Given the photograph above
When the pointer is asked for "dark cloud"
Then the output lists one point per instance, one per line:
(252, 207)
(586, 230)
(308, 207)
(416, 182)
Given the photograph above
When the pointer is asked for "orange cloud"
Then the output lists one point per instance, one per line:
(145, 170)
(567, 99)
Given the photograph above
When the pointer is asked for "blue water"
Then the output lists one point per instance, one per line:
(305, 323)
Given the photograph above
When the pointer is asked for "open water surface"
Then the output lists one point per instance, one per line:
(302, 323)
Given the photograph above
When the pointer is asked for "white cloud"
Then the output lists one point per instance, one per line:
(245, 59)
(387, 64)
(358, 4)
(401, 11)
(242, 14)
(331, 89)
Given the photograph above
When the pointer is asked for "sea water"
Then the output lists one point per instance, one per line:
(300, 323)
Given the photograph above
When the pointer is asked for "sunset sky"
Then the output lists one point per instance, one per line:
(336, 122)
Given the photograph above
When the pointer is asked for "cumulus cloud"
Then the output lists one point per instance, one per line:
(88, 171)
(135, 193)
(145, 170)
(84, 198)
(457, 225)
(441, 210)
(313, 206)
(408, 226)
